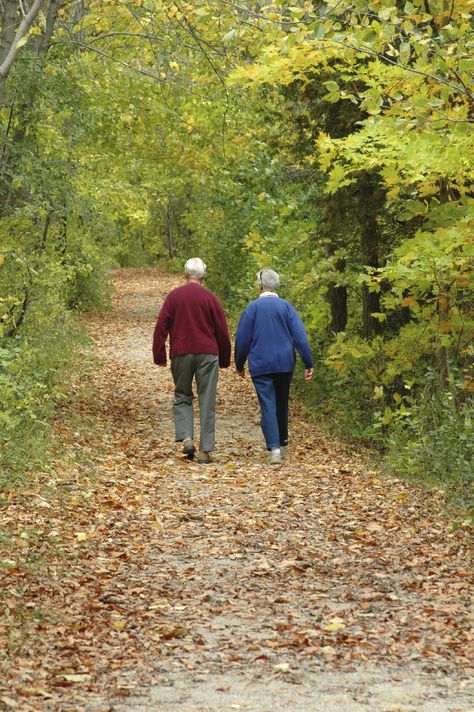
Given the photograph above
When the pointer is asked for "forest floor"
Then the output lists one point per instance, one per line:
(135, 580)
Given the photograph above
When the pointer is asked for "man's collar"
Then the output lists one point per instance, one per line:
(268, 294)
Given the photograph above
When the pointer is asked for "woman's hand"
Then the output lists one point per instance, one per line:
(308, 374)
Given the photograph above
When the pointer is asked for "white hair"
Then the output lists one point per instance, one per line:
(268, 279)
(195, 267)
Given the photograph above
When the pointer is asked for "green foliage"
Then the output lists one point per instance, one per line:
(331, 146)
(402, 251)
(35, 369)
(340, 405)
(435, 444)
(217, 222)
(41, 346)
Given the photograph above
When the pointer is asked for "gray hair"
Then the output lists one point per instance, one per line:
(195, 267)
(268, 279)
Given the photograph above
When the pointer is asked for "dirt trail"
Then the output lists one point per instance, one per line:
(318, 585)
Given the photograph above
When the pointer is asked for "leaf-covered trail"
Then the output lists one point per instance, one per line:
(160, 584)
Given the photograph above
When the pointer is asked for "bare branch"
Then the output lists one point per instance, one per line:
(23, 28)
(126, 34)
(260, 16)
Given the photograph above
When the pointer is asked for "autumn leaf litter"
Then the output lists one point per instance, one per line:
(132, 575)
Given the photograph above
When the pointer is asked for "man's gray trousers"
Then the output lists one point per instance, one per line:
(205, 369)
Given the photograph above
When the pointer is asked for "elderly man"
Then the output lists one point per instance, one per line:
(199, 343)
(268, 333)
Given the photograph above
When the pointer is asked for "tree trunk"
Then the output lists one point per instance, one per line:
(44, 237)
(370, 201)
(62, 247)
(21, 111)
(10, 46)
(9, 24)
(444, 325)
(337, 298)
(336, 294)
(44, 40)
(169, 229)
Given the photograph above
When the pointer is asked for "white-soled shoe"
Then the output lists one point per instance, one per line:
(284, 451)
(189, 448)
(274, 457)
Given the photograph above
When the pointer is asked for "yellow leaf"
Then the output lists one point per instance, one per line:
(35, 692)
(374, 527)
(158, 525)
(8, 563)
(76, 677)
(119, 624)
(333, 627)
(445, 327)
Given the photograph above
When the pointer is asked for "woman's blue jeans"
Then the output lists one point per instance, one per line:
(273, 390)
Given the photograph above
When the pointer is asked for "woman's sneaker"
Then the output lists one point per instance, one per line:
(275, 456)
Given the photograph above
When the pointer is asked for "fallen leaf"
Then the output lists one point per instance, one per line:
(374, 527)
(76, 677)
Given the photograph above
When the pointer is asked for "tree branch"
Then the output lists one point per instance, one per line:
(23, 28)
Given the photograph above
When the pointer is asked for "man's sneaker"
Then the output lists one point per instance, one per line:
(284, 451)
(188, 448)
(204, 458)
(275, 456)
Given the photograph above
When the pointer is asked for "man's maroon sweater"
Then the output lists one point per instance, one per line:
(196, 324)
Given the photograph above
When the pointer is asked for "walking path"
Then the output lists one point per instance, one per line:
(170, 586)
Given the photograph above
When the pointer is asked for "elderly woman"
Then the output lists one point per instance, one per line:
(268, 333)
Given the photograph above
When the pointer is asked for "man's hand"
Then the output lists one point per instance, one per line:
(308, 374)
(241, 374)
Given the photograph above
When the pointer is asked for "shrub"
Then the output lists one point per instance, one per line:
(37, 360)
(435, 445)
